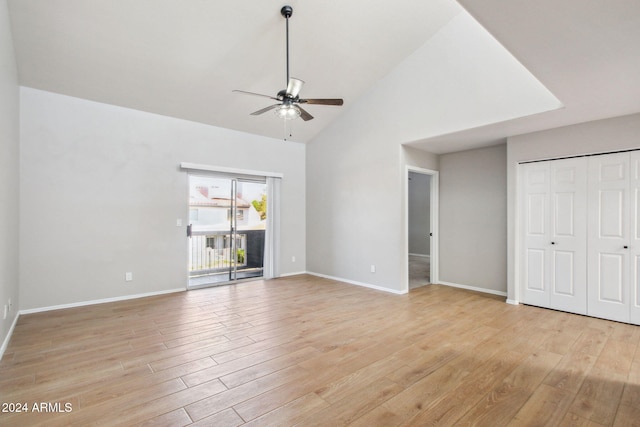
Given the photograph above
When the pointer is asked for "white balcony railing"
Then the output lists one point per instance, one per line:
(212, 251)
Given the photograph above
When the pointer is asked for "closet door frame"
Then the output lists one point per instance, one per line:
(627, 308)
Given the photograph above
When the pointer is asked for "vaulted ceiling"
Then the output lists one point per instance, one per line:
(587, 53)
(183, 58)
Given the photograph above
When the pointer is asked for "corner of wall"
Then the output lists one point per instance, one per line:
(9, 179)
(7, 338)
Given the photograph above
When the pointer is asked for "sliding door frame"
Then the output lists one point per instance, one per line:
(241, 175)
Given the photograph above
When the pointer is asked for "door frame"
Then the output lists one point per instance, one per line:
(434, 254)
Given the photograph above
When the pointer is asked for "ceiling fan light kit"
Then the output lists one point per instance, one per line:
(287, 112)
(289, 98)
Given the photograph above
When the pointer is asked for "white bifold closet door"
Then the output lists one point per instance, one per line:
(580, 235)
(609, 236)
(553, 261)
(614, 237)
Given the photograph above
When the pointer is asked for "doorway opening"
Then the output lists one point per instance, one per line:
(421, 220)
(227, 226)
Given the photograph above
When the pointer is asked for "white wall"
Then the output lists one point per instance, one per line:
(353, 207)
(619, 133)
(419, 158)
(9, 175)
(473, 217)
(356, 167)
(101, 190)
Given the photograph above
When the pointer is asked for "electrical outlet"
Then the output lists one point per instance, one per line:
(9, 304)
(128, 276)
(6, 311)
(293, 259)
(373, 268)
(179, 222)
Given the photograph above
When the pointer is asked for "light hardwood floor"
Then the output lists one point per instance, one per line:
(309, 351)
(419, 271)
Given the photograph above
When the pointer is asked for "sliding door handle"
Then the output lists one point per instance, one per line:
(189, 230)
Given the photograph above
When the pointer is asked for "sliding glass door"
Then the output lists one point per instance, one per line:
(227, 226)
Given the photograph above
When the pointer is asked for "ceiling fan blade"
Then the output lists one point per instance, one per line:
(255, 94)
(264, 110)
(304, 114)
(334, 101)
(294, 86)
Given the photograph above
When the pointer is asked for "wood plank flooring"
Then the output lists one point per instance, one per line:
(309, 351)
(419, 271)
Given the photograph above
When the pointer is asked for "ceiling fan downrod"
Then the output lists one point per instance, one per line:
(287, 11)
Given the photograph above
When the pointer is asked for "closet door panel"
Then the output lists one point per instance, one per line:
(535, 217)
(608, 258)
(611, 213)
(568, 239)
(564, 280)
(535, 270)
(611, 280)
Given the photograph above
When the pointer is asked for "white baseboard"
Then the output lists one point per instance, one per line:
(353, 282)
(5, 343)
(100, 301)
(420, 255)
(293, 274)
(473, 288)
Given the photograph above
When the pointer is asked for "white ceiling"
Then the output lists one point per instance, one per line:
(586, 52)
(182, 58)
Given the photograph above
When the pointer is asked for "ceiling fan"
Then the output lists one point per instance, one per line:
(289, 99)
